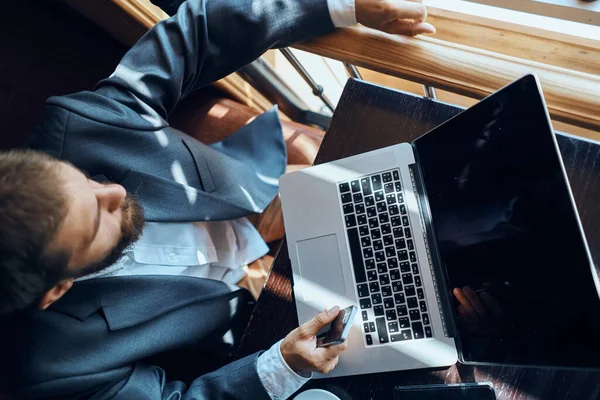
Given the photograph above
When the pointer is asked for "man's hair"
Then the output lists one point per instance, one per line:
(32, 208)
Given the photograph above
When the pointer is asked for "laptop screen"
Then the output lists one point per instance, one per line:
(507, 232)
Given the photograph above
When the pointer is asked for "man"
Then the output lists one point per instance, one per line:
(58, 223)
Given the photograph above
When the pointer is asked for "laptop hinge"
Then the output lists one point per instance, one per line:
(433, 256)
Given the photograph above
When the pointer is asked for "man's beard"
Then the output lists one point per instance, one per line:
(132, 225)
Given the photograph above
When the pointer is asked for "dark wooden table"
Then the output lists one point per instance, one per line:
(369, 117)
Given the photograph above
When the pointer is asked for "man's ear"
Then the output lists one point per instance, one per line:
(55, 293)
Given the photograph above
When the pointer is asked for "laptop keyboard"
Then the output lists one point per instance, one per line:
(389, 287)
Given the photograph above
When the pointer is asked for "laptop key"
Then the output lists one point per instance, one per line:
(404, 323)
(412, 302)
(413, 256)
(382, 268)
(398, 232)
(371, 212)
(357, 198)
(386, 229)
(388, 302)
(357, 259)
(394, 275)
(423, 306)
(388, 240)
(425, 318)
(428, 332)
(384, 279)
(407, 278)
(348, 208)
(393, 209)
(369, 201)
(420, 294)
(409, 290)
(363, 290)
(365, 241)
(415, 269)
(372, 326)
(365, 316)
(376, 181)
(372, 275)
(369, 340)
(378, 310)
(396, 175)
(373, 223)
(399, 298)
(355, 186)
(391, 199)
(402, 310)
(381, 207)
(366, 327)
(362, 219)
(367, 253)
(390, 252)
(418, 281)
(400, 244)
(392, 263)
(364, 230)
(346, 198)
(404, 266)
(365, 303)
(374, 287)
(393, 327)
(344, 187)
(396, 286)
(375, 233)
(384, 218)
(402, 209)
(387, 177)
(396, 221)
(386, 291)
(414, 315)
(404, 220)
(379, 256)
(398, 186)
(366, 186)
(402, 255)
(370, 263)
(388, 187)
(410, 244)
(360, 208)
(377, 244)
(376, 299)
(391, 315)
(406, 334)
(417, 328)
(382, 330)
(350, 221)
(379, 196)
(407, 233)
(400, 198)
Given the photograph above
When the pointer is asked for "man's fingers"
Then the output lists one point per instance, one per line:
(408, 10)
(491, 303)
(475, 302)
(462, 299)
(409, 28)
(321, 320)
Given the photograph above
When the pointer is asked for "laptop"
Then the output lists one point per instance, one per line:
(463, 245)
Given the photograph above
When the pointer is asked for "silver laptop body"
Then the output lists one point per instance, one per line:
(400, 326)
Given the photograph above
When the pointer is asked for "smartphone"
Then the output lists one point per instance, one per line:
(338, 330)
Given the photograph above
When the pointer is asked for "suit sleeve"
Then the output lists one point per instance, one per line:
(238, 380)
(203, 42)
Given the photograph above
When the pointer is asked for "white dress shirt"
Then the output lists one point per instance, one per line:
(217, 250)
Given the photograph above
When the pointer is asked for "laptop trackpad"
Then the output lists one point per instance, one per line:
(320, 264)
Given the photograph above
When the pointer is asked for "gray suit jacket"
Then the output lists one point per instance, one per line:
(120, 130)
(90, 343)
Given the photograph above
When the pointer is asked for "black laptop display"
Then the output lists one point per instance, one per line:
(507, 228)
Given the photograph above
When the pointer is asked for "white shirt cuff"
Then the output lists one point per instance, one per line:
(342, 12)
(277, 377)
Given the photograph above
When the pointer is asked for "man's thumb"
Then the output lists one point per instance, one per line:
(321, 320)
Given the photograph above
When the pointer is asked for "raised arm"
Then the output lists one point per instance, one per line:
(205, 41)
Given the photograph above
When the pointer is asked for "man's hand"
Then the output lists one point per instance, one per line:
(398, 17)
(479, 312)
(299, 348)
